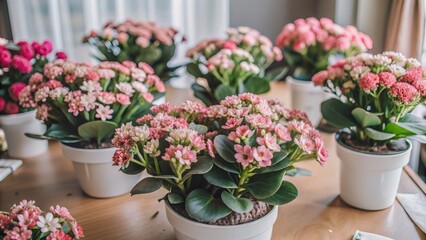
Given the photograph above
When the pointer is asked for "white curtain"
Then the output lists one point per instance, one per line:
(66, 21)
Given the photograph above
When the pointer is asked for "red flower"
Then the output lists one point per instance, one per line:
(15, 89)
(26, 50)
(5, 58)
(22, 64)
(61, 55)
(11, 108)
(2, 103)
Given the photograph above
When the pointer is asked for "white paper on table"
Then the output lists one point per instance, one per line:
(8, 166)
(415, 206)
(359, 235)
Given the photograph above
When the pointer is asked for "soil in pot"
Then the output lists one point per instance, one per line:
(392, 147)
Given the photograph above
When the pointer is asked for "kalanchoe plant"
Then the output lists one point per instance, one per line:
(18, 61)
(375, 95)
(27, 221)
(79, 102)
(220, 161)
(138, 42)
(308, 43)
(233, 65)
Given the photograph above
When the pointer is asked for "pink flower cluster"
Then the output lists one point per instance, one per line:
(16, 61)
(108, 91)
(25, 220)
(144, 34)
(324, 34)
(390, 73)
(258, 46)
(272, 128)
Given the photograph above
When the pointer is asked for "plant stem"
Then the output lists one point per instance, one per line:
(242, 181)
(157, 167)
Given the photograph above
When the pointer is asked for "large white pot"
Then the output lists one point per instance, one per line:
(15, 126)
(95, 173)
(307, 98)
(370, 181)
(185, 229)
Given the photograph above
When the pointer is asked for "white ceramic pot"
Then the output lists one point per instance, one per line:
(307, 98)
(95, 173)
(370, 181)
(185, 229)
(15, 126)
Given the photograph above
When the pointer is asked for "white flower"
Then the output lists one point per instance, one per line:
(140, 87)
(104, 112)
(253, 68)
(57, 92)
(138, 74)
(48, 223)
(3, 41)
(91, 86)
(42, 94)
(412, 62)
(397, 70)
(141, 133)
(88, 101)
(125, 88)
(245, 66)
(358, 72)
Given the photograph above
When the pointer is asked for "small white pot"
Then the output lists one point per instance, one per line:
(15, 126)
(185, 229)
(95, 173)
(370, 181)
(307, 98)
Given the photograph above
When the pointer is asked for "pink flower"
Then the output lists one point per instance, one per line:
(183, 154)
(413, 74)
(44, 48)
(52, 84)
(5, 58)
(283, 133)
(242, 132)
(258, 120)
(243, 155)
(368, 43)
(299, 46)
(299, 126)
(403, 92)
(263, 156)
(148, 97)
(122, 37)
(129, 64)
(11, 108)
(419, 85)
(92, 76)
(269, 141)
(387, 79)
(18, 233)
(27, 219)
(104, 112)
(2, 103)
(343, 43)
(123, 99)
(369, 82)
(106, 97)
(62, 212)
(159, 85)
(306, 143)
(230, 45)
(211, 148)
(146, 67)
(232, 123)
(77, 229)
(120, 157)
(322, 153)
(329, 43)
(320, 77)
(15, 89)
(61, 55)
(26, 50)
(142, 42)
(308, 38)
(58, 235)
(22, 64)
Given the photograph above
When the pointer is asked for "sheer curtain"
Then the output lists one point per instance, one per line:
(66, 21)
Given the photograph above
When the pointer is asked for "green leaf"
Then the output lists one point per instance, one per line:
(377, 135)
(285, 194)
(132, 169)
(203, 94)
(256, 85)
(223, 91)
(276, 167)
(418, 128)
(225, 148)
(396, 129)
(66, 228)
(175, 198)
(194, 70)
(276, 73)
(279, 156)
(366, 119)
(337, 113)
(218, 161)
(218, 177)
(204, 207)
(239, 205)
(147, 185)
(262, 186)
(98, 130)
(295, 172)
(203, 165)
(201, 129)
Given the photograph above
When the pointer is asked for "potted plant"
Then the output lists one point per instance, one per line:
(81, 106)
(374, 97)
(307, 46)
(17, 62)
(138, 42)
(232, 66)
(222, 166)
(27, 221)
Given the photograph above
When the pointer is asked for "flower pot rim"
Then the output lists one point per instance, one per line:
(91, 150)
(21, 114)
(243, 225)
(367, 153)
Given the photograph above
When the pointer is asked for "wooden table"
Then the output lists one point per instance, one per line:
(318, 212)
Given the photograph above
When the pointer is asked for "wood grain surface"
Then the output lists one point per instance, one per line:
(318, 212)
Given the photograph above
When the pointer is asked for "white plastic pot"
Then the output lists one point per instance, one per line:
(370, 181)
(15, 126)
(95, 173)
(307, 98)
(185, 229)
